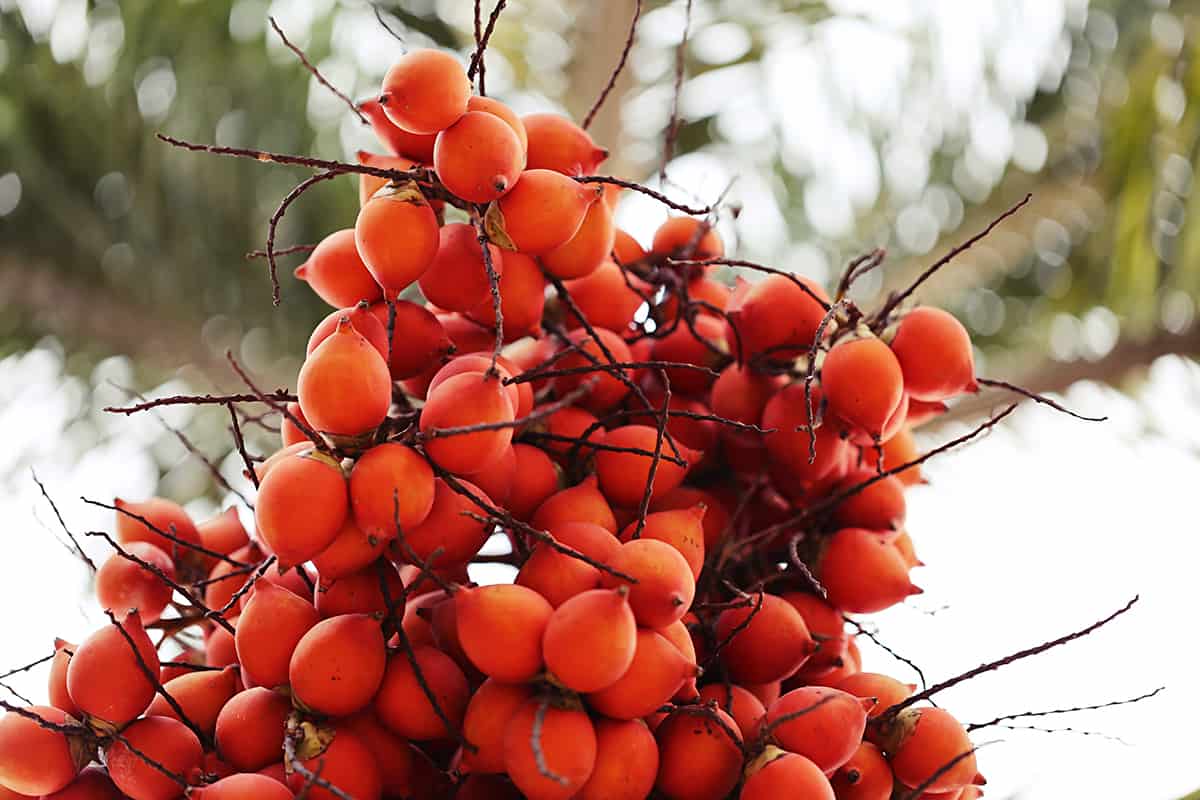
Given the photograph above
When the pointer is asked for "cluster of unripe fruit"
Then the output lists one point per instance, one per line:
(697, 481)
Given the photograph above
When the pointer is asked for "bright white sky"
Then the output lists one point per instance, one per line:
(1038, 529)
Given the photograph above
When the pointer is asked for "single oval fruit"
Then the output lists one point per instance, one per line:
(345, 388)
(557, 143)
(541, 739)
(106, 676)
(457, 280)
(425, 91)
(302, 504)
(700, 755)
(501, 628)
(390, 486)
(396, 234)
(35, 760)
(250, 728)
(542, 211)
(479, 157)
(765, 641)
(590, 639)
(336, 272)
(934, 351)
(166, 741)
(338, 665)
(780, 774)
(123, 584)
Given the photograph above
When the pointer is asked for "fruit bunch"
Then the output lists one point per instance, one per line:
(696, 479)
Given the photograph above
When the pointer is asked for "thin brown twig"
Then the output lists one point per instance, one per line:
(28, 666)
(485, 244)
(277, 215)
(54, 507)
(680, 64)
(316, 73)
(616, 73)
(646, 190)
(239, 442)
(481, 46)
(279, 395)
(1037, 398)
(314, 437)
(172, 537)
(1054, 711)
(660, 430)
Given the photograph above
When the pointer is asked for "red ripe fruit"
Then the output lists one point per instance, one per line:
(863, 572)
(351, 551)
(582, 503)
(557, 143)
(665, 586)
(360, 592)
(590, 247)
(345, 762)
(344, 386)
(419, 342)
(497, 479)
(338, 665)
(775, 319)
(790, 448)
(161, 739)
(878, 506)
(687, 238)
(590, 639)
(470, 398)
(447, 527)
(884, 690)
(702, 343)
(558, 576)
(657, 671)
(863, 383)
(828, 733)
(922, 741)
(224, 533)
(700, 755)
(742, 394)
(866, 776)
(716, 514)
(57, 692)
(457, 280)
(396, 234)
(604, 298)
(270, 627)
(519, 394)
(416, 146)
(220, 650)
(336, 272)
(122, 583)
(522, 298)
(934, 351)
(242, 787)
(394, 756)
(626, 761)
(682, 528)
(765, 641)
(402, 704)
(159, 515)
(623, 475)
(425, 91)
(250, 727)
(739, 703)
(780, 774)
(200, 694)
(368, 185)
(106, 678)
(496, 108)
(390, 484)
(825, 625)
(540, 739)
(543, 211)
(479, 157)
(501, 629)
(301, 506)
(91, 784)
(35, 760)
(492, 706)
(608, 389)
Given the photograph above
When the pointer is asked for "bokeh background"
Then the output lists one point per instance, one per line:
(842, 126)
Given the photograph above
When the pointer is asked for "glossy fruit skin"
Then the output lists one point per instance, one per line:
(702, 344)
(558, 576)
(122, 584)
(479, 157)
(369, 185)
(390, 484)
(34, 760)
(401, 704)
(467, 399)
(302, 504)
(105, 678)
(604, 298)
(934, 351)
(336, 272)
(457, 280)
(863, 383)
(91, 784)
(623, 475)
(879, 505)
(399, 142)
(558, 144)
(607, 390)
(774, 319)
(739, 703)
(201, 695)
(360, 592)
(828, 734)
(162, 515)
(928, 739)
(682, 528)
(501, 629)
(338, 665)
(767, 640)
(683, 238)
(243, 787)
(587, 249)
(520, 395)
(568, 743)
(425, 91)
(699, 759)
(345, 763)
(590, 639)
(791, 449)
(419, 342)
(56, 688)
(447, 527)
(224, 533)
(885, 690)
(665, 586)
(544, 210)
(167, 741)
(826, 626)
(492, 706)
(490, 105)
(250, 728)
(787, 774)
(657, 671)
(344, 385)
(350, 551)
(269, 629)
(866, 776)
(393, 754)
(522, 298)
(626, 761)
(396, 234)
(863, 572)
